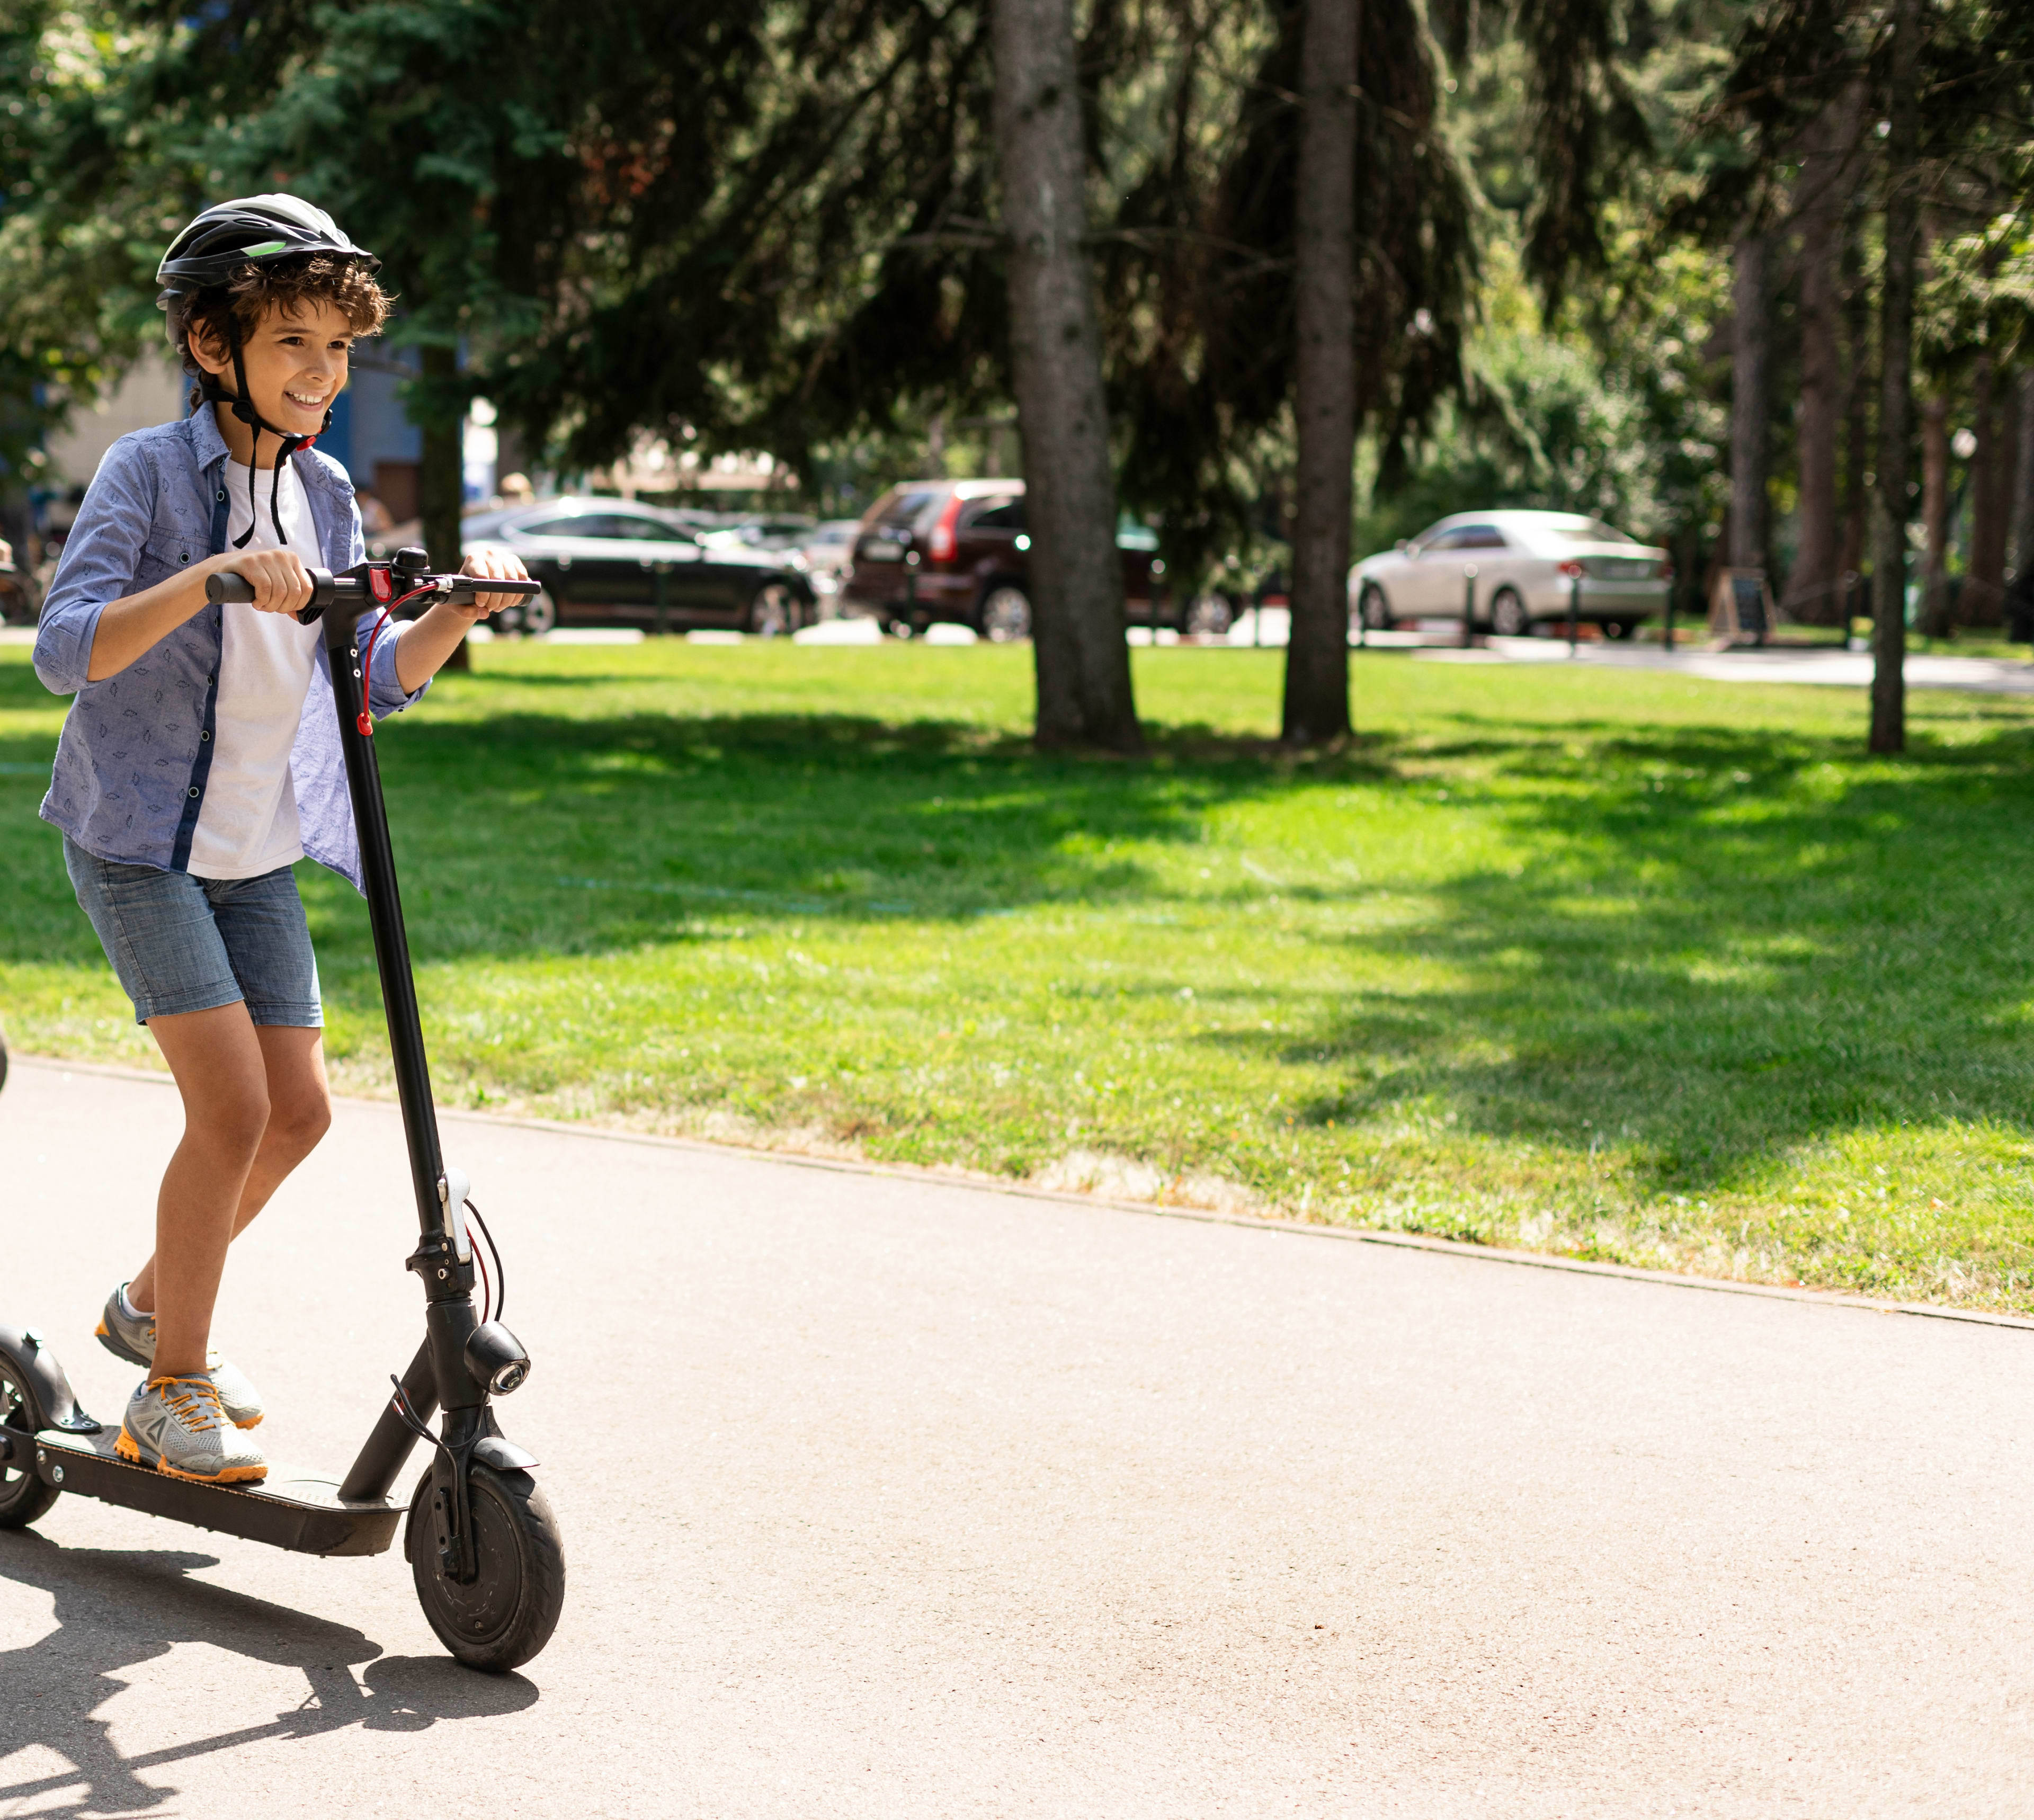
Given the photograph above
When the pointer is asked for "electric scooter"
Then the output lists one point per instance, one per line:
(482, 1545)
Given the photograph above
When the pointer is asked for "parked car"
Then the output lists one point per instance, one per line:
(957, 550)
(829, 553)
(1526, 565)
(761, 531)
(616, 562)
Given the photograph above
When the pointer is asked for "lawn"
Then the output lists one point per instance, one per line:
(1624, 966)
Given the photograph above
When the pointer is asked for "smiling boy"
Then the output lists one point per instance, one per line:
(201, 759)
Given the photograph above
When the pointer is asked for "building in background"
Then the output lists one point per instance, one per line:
(371, 437)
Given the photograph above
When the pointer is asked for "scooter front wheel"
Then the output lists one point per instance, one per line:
(23, 1496)
(507, 1613)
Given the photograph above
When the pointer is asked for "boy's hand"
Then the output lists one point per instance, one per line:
(280, 582)
(502, 565)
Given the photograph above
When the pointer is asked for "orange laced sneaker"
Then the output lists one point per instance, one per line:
(178, 1426)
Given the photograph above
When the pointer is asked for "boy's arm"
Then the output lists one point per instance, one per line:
(84, 635)
(427, 642)
(129, 628)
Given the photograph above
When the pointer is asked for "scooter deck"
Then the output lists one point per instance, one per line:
(288, 1510)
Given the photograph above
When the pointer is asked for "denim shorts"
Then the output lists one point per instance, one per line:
(183, 944)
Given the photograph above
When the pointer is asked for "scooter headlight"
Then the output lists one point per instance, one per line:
(497, 1359)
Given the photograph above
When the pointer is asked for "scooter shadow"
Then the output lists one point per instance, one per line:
(116, 1609)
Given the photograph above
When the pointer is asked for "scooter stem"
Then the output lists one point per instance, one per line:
(384, 915)
(437, 1376)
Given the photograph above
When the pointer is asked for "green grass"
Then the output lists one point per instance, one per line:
(1625, 965)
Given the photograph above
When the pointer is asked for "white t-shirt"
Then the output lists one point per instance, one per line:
(247, 823)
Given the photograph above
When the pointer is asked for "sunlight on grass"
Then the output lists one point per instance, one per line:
(1625, 965)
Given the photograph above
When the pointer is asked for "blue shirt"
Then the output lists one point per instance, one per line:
(132, 763)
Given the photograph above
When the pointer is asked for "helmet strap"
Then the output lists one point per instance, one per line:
(239, 402)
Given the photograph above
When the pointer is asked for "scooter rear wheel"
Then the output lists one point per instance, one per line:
(23, 1496)
(509, 1613)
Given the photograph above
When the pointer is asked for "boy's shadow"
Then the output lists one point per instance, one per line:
(117, 1608)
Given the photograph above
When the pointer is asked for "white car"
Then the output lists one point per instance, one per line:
(1526, 565)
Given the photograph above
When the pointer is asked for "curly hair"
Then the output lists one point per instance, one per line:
(228, 313)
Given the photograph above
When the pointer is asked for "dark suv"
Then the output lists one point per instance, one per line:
(957, 550)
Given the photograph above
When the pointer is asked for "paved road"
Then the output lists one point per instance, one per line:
(894, 1498)
(1841, 668)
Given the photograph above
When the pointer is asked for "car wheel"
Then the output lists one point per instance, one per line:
(1619, 627)
(1006, 615)
(536, 616)
(773, 612)
(1208, 616)
(1508, 616)
(1373, 611)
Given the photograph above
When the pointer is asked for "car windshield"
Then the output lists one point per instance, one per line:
(649, 530)
(1591, 530)
(904, 509)
(998, 514)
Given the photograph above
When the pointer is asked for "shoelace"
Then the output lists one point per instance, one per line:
(186, 1398)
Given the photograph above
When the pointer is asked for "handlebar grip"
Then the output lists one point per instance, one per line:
(219, 588)
(468, 588)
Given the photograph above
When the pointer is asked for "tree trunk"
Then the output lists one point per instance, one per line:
(1991, 480)
(2023, 481)
(1857, 452)
(1324, 378)
(1935, 619)
(1895, 390)
(1078, 643)
(1750, 401)
(1814, 587)
(441, 476)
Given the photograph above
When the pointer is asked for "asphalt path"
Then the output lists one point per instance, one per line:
(890, 1496)
(1822, 665)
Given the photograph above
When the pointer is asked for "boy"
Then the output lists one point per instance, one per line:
(201, 759)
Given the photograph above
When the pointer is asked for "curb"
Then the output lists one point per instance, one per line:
(991, 1184)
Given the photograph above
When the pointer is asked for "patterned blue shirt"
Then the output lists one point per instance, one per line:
(137, 747)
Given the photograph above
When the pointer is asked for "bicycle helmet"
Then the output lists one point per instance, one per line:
(251, 230)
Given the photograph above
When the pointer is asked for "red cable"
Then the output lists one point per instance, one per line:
(365, 719)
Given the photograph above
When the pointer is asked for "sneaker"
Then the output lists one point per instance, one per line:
(133, 1337)
(178, 1426)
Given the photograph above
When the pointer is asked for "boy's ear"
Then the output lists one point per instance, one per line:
(208, 347)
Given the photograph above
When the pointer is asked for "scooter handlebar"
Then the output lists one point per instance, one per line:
(326, 588)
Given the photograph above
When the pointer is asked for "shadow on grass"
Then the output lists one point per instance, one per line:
(1715, 942)
(536, 833)
(1730, 943)
(522, 834)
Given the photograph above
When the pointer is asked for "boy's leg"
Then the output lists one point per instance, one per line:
(299, 1110)
(217, 1063)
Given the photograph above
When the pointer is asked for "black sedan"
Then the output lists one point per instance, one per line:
(615, 562)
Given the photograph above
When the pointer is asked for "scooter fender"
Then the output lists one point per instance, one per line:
(56, 1405)
(502, 1454)
(492, 1449)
